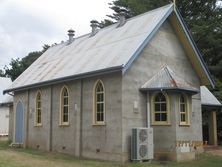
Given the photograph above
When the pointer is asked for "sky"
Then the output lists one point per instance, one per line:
(26, 25)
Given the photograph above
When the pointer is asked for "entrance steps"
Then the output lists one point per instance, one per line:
(211, 147)
(16, 145)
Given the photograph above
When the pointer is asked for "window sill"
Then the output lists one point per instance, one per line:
(99, 124)
(184, 124)
(64, 125)
(161, 124)
(38, 125)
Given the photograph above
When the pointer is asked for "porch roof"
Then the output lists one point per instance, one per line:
(208, 99)
(166, 79)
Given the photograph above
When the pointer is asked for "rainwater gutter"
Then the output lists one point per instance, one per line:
(66, 79)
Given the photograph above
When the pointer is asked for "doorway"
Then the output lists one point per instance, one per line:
(19, 123)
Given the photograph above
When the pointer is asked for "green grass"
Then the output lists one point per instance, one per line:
(4, 144)
(10, 157)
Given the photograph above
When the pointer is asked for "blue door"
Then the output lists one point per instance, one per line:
(19, 124)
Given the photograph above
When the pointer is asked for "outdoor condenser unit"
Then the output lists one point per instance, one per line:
(142, 144)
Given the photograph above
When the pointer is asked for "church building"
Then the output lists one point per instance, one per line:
(84, 96)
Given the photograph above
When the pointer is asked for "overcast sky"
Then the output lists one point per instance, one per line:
(26, 25)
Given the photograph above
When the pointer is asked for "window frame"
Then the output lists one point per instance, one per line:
(153, 121)
(95, 122)
(186, 107)
(61, 121)
(38, 108)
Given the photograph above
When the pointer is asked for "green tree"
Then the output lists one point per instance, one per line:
(15, 70)
(17, 66)
(2, 74)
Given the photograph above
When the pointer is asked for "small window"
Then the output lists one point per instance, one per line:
(64, 106)
(38, 118)
(184, 116)
(99, 103)
(160, 109)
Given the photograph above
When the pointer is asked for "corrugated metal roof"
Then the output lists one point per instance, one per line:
(110, 47)
(207, 98)
(4, 84)
(167, 79)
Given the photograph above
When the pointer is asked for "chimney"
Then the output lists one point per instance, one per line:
(94, 25)
(122, 19)
(71, 34)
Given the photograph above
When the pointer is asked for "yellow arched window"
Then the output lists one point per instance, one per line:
(160, 109)
(184, 115)
(99, 103)
(38, 109)
(64, 115)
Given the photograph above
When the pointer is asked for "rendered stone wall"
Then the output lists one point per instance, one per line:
(96, 141)
(163, 49)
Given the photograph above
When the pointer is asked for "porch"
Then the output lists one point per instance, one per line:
(210, 106)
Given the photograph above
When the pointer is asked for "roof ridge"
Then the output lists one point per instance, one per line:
(168, 71)
(150, 11)
(140, 15)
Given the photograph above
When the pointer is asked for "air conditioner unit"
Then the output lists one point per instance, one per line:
(142, 144)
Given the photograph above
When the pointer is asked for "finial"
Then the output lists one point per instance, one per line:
(174, 5)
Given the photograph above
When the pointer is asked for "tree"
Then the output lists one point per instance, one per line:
(15, 70)
(2, 74)
(17, 66)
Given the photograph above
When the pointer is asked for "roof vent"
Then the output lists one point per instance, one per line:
(71, 34)
(94, 25)
(122, 18)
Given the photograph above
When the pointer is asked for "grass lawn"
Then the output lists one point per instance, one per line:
(10, 157)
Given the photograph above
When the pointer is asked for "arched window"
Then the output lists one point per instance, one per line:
(64, 106)
(99, 103)
(160, 109)
(38, 117)
(183, 110)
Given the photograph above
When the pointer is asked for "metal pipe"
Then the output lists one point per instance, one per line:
(81, 110)
(148, 109)
(50, 117)
(27, 121)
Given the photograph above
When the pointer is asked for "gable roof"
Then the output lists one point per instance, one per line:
(207, 98)
(166, 79)
(112, 49)
(4, 84)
